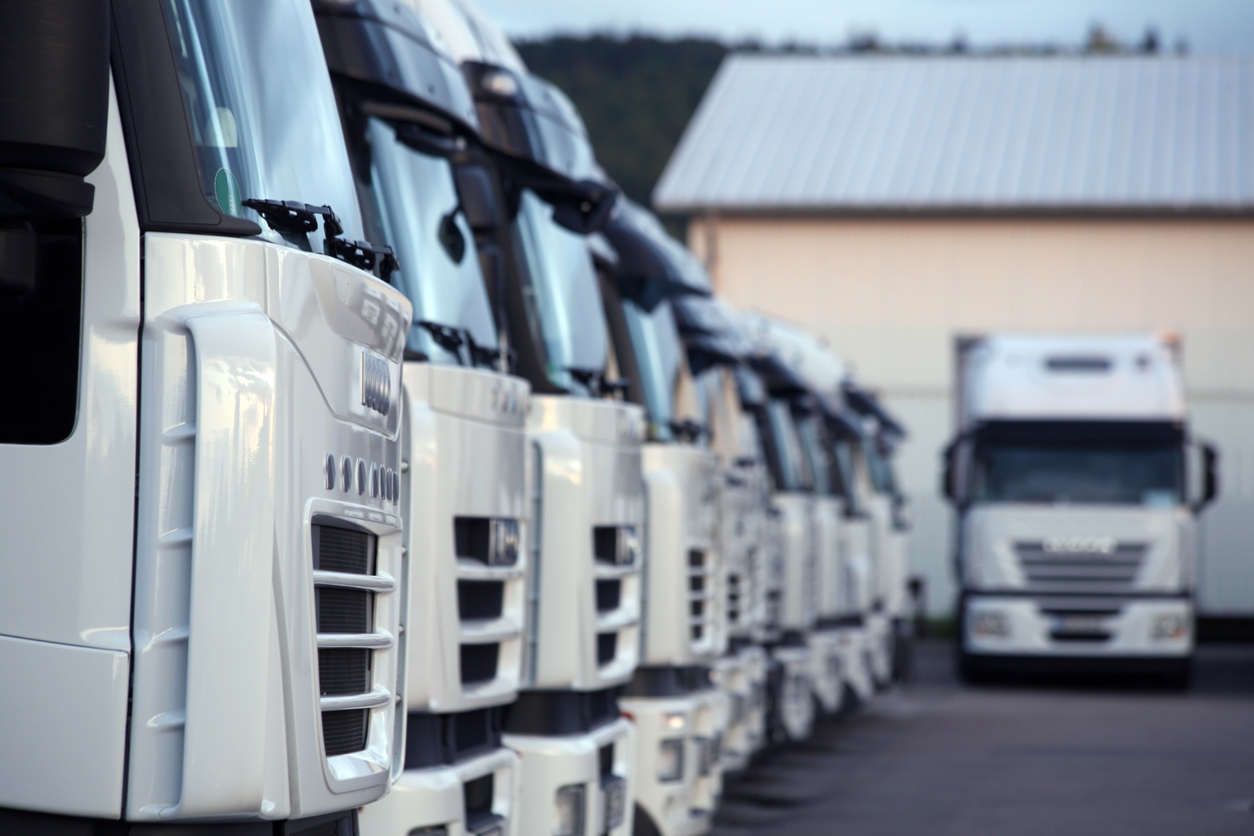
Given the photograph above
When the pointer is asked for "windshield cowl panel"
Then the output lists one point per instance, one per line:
(261, 110)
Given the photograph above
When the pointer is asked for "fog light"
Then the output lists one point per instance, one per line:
(1168, 627)
(570, 810)
(674, 722)
(670, 761)
(990, 624)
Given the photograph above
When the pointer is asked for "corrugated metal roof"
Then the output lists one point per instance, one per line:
(875, 133)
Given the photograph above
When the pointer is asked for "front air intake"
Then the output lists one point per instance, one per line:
(345, 586)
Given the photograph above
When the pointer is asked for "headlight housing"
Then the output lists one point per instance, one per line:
(571, 801)
(670, 761)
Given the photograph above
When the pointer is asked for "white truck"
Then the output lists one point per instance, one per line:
(679, 713)
(1077, 490)
(890, 621)
(585, 507)
(203, 603)
(791, 716)
(409, 117)
(717, 348)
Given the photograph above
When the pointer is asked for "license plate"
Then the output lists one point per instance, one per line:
(615, 791)
(1079, 624)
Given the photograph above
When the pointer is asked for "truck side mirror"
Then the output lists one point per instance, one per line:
(54, 106)
(948, 471)
(1210, 475)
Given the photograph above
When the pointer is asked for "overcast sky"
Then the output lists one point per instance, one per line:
(1209, 26)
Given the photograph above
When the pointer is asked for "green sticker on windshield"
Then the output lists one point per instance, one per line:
(226, 190)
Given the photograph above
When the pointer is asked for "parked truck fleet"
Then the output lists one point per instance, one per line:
(377, 468)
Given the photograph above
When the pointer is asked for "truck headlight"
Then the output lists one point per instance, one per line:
(570, 801)
(990, 624)
(1168, 627)
(674, 722)
(670, 761)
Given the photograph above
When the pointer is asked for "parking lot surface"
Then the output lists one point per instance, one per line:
(935, 757)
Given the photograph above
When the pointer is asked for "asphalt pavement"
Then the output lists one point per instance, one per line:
(1056, 758)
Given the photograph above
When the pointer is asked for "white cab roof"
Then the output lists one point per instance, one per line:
(1114, 377)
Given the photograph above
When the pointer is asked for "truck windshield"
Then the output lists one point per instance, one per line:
(1150, 475)
(655, 342)
(261, 110)
(847, 482)
(561, 297)
(794, 470)
(816, 456)
(881, 470)
(406, 197)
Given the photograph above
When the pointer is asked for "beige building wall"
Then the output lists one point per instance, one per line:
(890, 294)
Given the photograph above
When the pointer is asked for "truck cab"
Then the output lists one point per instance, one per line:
(679, 712)
(889, 622)
(536, 200)
(408, 115)
(215, 617)
(1077, 489)
(717, 349)
(793, 507)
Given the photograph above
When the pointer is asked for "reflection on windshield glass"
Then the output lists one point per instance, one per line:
(561, 295)
(262, 112)
(847, 486)
(794, 469)
(411, 194)
(816, 457)
(655, 342)
(1146, 476)
(881, 471)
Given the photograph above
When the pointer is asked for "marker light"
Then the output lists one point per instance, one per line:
(990, 624)
(1168, 627)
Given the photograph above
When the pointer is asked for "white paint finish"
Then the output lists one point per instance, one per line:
(742, 679)
(466, 448)
(208, 419)
(795, 702)
(63, 752)
(1006, 376)
(673, 807)
(231, 604)
(799, 560)
(1029, 630)
(86, 543)
(586, 465)
(435, 797)
(829, 577)
(827, 675)
(548, 763)
(854, 664)
(681, 507)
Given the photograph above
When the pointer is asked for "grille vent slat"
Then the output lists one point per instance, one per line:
(1080, 572)
(607, 648)
(344, 672)
(478, 663)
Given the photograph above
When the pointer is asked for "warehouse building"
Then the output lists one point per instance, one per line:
(891, 204)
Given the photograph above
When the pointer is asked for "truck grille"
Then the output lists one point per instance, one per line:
(345, 586)
(698, 596)
(1080, 572)
(616, 568)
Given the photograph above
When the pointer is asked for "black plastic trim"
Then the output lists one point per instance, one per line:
(555, 713)
(668, 682)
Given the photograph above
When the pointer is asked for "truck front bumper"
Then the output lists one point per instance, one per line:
(1135, 628)
(435, 797)
(827, 669)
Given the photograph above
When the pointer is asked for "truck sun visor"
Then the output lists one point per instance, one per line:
(865, 403)
(388, 47)
(652, 264)
(541, 144)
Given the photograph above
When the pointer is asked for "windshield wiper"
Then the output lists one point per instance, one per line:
(689, 430)
(446, 336)
(291, 218)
